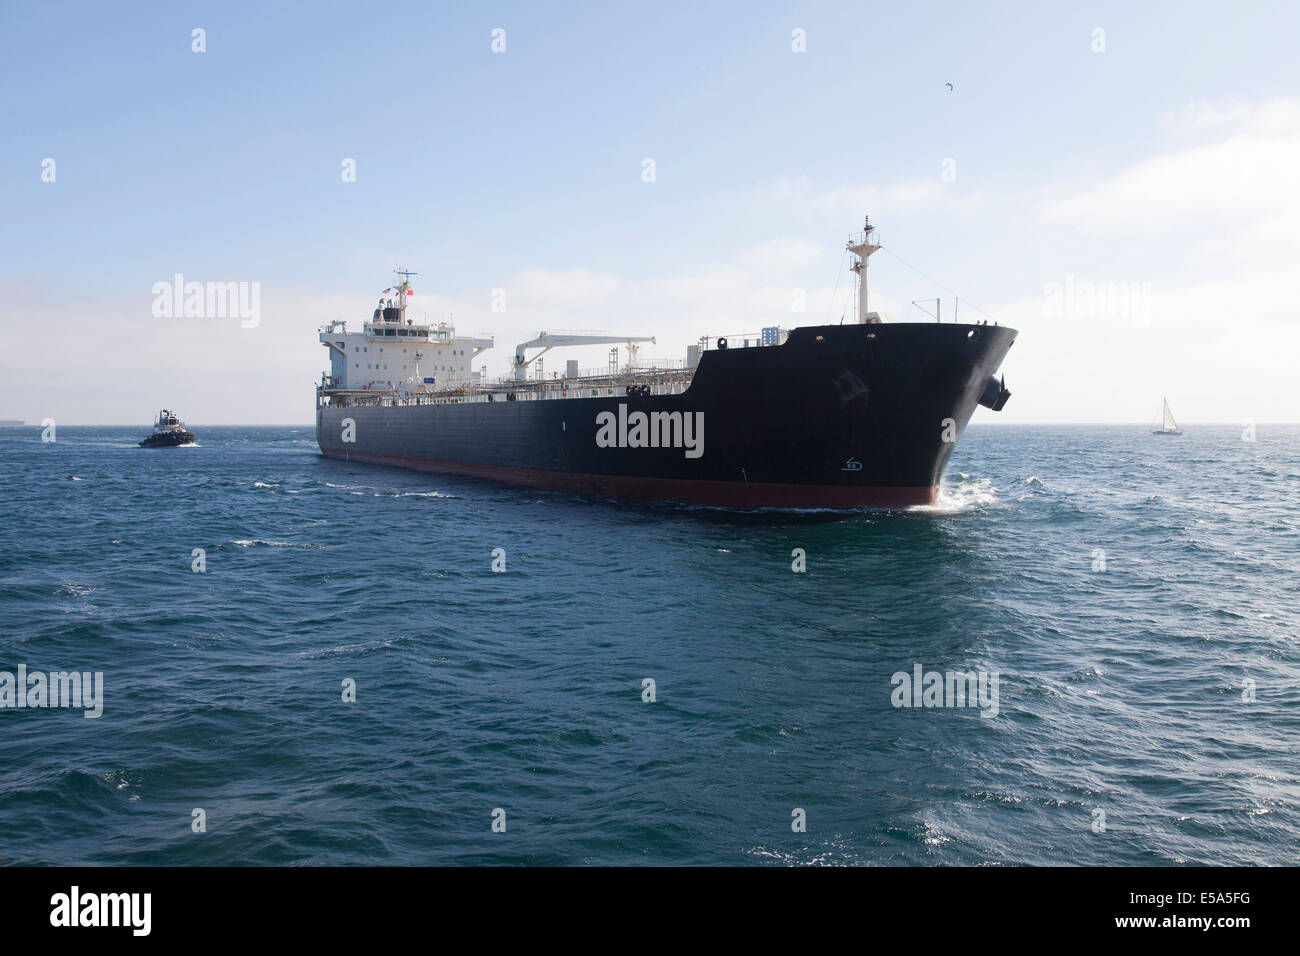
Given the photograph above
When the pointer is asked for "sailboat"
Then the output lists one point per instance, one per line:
(1170, 426)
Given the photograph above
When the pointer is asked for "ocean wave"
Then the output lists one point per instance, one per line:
(253, 542)
(217, 685)
(70, 589)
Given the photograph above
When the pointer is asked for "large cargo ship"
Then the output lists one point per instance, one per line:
(855, 415)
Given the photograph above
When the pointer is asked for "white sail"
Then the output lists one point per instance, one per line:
(1170, 424)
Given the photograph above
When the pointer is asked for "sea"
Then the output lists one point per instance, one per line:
(1087, 653)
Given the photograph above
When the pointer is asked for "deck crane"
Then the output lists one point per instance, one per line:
(546, 342)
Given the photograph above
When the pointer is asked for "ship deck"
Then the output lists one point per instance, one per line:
(654, 381)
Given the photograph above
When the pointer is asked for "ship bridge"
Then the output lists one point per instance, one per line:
(393, 353)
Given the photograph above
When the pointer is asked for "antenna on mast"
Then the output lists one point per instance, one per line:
(403, 290)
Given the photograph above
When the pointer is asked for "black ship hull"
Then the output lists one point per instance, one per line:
(170, 440)
(838, 417)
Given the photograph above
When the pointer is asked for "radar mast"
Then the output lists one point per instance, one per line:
(862, 245)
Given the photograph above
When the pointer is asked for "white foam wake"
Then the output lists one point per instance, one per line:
(962, 493)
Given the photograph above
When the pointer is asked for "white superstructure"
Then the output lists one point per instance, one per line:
(392, 353)
(394, 360)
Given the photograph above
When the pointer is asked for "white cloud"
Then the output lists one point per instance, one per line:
(1270, 116)
(1197, 188)
(727, 284)
(1249, 171)
(549, 289)
(784, 254)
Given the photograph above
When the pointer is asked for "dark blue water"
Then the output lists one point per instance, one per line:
(1121, 689)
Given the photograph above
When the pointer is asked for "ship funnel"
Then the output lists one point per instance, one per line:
(995, 394)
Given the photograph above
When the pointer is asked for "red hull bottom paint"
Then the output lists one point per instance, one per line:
(723, 494)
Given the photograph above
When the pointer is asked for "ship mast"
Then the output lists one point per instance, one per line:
(863, 245)
(403, 289)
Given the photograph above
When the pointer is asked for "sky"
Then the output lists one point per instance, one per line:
(1116, 181)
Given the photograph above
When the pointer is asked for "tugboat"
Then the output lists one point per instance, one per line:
(168, 432)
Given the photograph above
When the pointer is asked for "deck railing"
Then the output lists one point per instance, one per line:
(656, 382)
